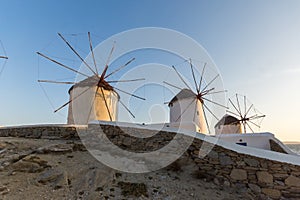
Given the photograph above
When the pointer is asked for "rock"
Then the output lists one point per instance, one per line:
(252, 178)
(56, 149)
(79, 147)
(240, 163)
(2, 150)
(10, 159)
(30, 167)
(264, 177)
(91, 179)
(127, 141)
(280, 183)
(33, 134)
(133, 189)
(241, 187)
(226, 184)
(274, 146)
(292, 181)
(286, 168)
(255, 188)
(273, 193)
(3, 190)
(31, 164)
(251, 162)
(296, 173)
(2, 145)
(55, 178)
(291, 195)
(238, 174)
(225, 160)
(216, 181)
(263, 164)
(212, 154)
(280, 176)
(35, 159)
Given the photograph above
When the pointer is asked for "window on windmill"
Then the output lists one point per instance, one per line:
(242, 143)
(197, 112)
(171, 104)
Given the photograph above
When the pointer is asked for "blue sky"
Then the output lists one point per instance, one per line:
(254, 43)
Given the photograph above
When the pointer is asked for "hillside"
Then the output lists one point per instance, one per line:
(63, 169)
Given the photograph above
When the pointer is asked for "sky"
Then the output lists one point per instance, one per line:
(255, 45)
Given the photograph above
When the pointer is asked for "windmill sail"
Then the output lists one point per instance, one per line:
(242, 117)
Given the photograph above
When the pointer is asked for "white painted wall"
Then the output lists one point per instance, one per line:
(227, 129)
(189, 110)
(257, 140)
(87, 108)
(190, 126)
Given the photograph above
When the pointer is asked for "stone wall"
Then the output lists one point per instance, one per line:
(42, 131)
(264, 177)
(275, 147)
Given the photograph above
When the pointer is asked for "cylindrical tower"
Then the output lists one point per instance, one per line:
(91, 101)
(185, 107)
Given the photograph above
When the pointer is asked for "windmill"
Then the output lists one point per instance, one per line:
(94, 98)
(228, 125)
(244, 116)
(193, 105)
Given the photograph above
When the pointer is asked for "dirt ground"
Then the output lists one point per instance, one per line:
(63, 169)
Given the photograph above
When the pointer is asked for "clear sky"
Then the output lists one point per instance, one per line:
(255, 44)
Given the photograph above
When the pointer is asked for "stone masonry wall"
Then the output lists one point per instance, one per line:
(43, 132)
(264, 177)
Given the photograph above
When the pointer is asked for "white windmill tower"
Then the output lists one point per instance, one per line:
(93, 98)
(99, 102)
(228, 124)
(189, 107)
(185, 107)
